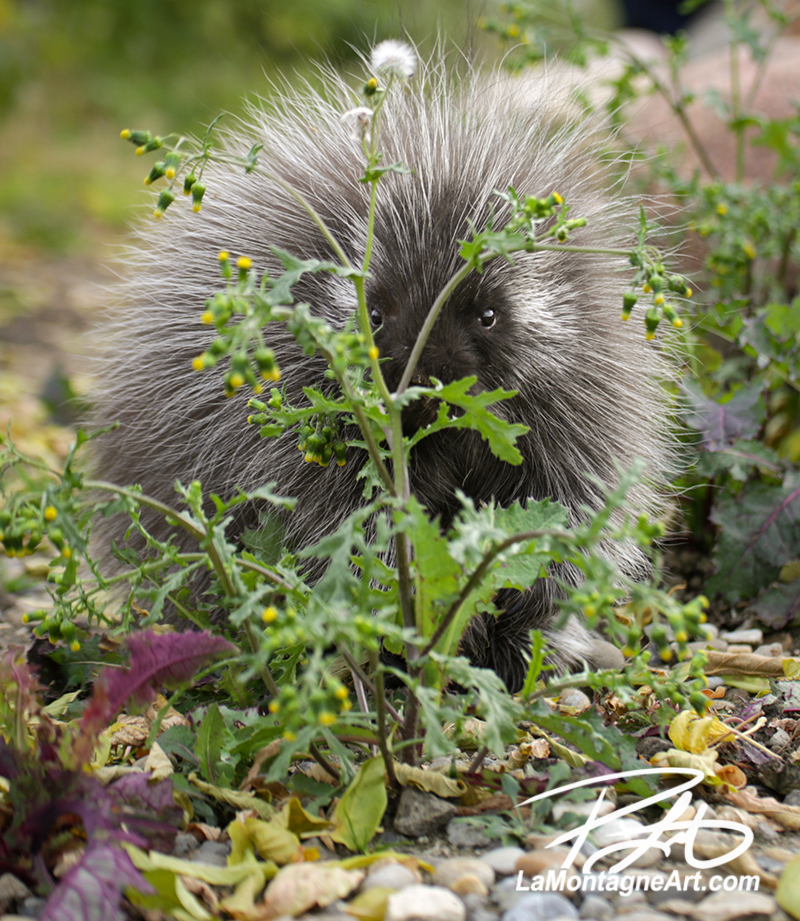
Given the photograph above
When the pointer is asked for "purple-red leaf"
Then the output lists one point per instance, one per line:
(156, 661)
(91, 890)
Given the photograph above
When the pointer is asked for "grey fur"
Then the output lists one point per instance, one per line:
(590, 387)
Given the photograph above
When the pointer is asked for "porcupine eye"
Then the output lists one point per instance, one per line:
(375, 317)
(488, 318)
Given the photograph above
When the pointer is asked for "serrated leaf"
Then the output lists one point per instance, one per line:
(501, 436)
(360, 810)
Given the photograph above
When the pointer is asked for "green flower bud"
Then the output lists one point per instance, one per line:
(158, 170)
(165, 199)
(198, 191)
(188, 181)
(173, 162)
(138, 138)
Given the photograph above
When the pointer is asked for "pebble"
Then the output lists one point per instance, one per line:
(211, 852)
(582, 809)
(458, 874)
(425, 903)
(780, 739)
(752, 637)
(537, 863)
(574, 699)
(541, 906)
(420, 813)
(11, 890)
(792, 798)
(464, 834)
(390, 875)
(596, 909)
(625, 829)
(771, 650)
(726, 906)
(503, 860)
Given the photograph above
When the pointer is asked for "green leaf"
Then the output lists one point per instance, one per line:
(500, 435)
(209, 744)
(360, 810)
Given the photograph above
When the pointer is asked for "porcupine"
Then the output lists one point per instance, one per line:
(547, 325)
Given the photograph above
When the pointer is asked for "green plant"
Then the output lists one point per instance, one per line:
(412, 587)
(742, 391)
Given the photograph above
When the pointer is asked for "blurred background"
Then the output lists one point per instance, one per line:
(73, 73)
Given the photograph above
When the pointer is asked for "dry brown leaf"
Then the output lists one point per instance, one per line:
(743, 865)
(269, 751)
(429, 781)
(743, 663)
(786, 816)
(200, 888)
(300, 887)
(204, 832)
(130, 730)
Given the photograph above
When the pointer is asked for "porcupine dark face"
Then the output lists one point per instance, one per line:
(547, 326)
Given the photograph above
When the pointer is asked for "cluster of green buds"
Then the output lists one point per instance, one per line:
(245, 368)
(655, 282)
(55, 627)
(326, 705)
(23, 528)
(684, 624)
(166, 168)
(319, 443)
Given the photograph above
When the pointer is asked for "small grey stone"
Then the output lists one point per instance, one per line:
(603, 654)
(727, 906)
(185, 843)
(479, 908)
(390, 875)
(793, 798)
(596, 908)
(454, 868)
(212, 852)
(626, 829)
(503, 860)
(574, 699)
(32, 907)
(752, 637)
(421, 813)
(779, 740)
(541, 906)
(465, 834)
(771, 650)
(647, 914)
(425, 903)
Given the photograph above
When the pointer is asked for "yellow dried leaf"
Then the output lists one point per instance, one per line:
(429, 781)
(692, 733)
(358, 813)
(370, 905)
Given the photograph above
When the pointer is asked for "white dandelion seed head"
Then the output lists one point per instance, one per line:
(358, 122)
(394, 58)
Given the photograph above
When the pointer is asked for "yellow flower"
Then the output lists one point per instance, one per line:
(270, 614)
(374, 352)
(223, 256)
(722, 208)
(244, 263)
(198, 363)
(50, 513)
(207, 317)
(326, 718)
(749, 250)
